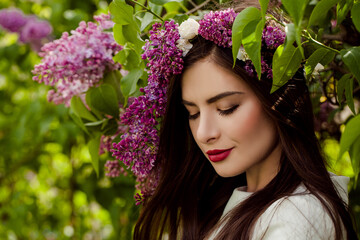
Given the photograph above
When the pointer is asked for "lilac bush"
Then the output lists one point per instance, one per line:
(76, 62)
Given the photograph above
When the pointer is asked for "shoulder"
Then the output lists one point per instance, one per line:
(299, 216)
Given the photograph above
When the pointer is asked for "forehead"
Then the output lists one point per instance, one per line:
(206, 79)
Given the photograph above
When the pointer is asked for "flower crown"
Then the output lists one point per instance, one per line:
(165, 49)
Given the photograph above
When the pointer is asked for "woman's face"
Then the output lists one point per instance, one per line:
(227, 120)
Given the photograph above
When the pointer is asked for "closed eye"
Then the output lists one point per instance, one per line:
(228, 111)
(194, 116)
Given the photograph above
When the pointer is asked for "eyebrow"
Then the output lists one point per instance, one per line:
(215, 98)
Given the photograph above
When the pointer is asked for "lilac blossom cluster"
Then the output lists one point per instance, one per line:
(138, 148)
(216, 27)
(106, 141)
(74, 63)
(114, 169)
(272, 38)
(30, 29)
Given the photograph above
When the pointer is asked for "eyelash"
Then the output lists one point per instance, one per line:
(221, 112)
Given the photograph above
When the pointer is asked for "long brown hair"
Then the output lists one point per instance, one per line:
(191, 197)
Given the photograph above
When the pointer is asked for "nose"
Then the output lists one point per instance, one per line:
(208, 130)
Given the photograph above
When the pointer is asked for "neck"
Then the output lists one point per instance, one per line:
(262, 173)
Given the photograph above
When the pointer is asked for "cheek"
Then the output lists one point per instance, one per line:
(248, 120)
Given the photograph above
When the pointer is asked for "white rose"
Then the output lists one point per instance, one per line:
(184, 45)
(242, 55)
(189, 29)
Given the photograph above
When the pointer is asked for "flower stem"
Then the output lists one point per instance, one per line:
(276, 20)
(148, 9)
(308, 36)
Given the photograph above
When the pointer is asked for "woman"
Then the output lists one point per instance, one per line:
(236, 161)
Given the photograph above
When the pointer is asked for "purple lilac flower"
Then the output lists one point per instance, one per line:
(106, 141)
(273, 37)
(74, 63)
(216, 27)
(147, 185)
(12, 19)
(138, 147)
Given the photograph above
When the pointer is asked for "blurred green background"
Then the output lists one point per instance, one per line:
(48, 187)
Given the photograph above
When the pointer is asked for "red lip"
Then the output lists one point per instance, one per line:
(218, 155)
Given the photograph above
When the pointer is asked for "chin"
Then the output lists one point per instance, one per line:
(228, 174)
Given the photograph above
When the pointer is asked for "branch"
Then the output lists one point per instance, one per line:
(198, 7)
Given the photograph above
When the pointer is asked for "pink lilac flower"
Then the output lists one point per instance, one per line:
(35, 30)
(114, 169)
(74, 63)
(216, 27)
(30, 29)
(12, 19)
(138, 148)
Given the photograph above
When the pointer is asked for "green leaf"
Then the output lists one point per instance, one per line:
(113, 78)
(162, 2)
(147, 19)
(120, 57)
(80, 110)
(351, 58)
(320, 11)
(174, 7)
(133, 37)
(290, 35)
(264, 5)
(243, 18)
(354, 153)
(155, 8)
(355, 15)
(104, 99)
(285, 64)
(128, 83)
(251, 39)
(349, 86)
(110, 127)
(179, 18)
(341, 86)
(122, 12)
(94, 145)
(342, 9)
(321, 55)
(128, 57)
(350, 135)
(118, 34)
(296, 9)
(78, 121)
